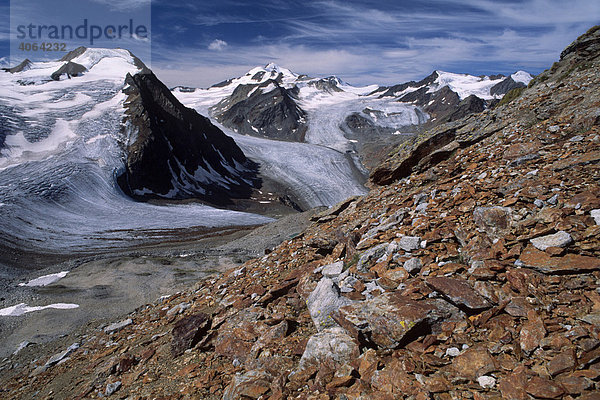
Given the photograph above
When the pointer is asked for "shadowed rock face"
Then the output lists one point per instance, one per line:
(505, 86)
(266, 113)
(174, 152)
(470, 105)
(329, 84)
(70, 69)
(24, 66)
(585, 47)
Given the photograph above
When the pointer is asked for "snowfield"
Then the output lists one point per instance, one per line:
(60, 151)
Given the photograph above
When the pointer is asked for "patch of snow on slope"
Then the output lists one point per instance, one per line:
(22, 308)
(45, 280)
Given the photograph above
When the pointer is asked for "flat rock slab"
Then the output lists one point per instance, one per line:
(323, 302)
(474, 363)
(331, 346)
(570, 162)
(495, 221)
(388, 318)
(117, 326)
(409, 243)
(596, 215)
(543, 388)
(333, 270)
(458, 292)
(559, 239)
(571, 263)
(532, 332)
(252, 384)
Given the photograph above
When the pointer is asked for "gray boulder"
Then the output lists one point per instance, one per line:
(559, 239)
(332, 345)
(323, 302)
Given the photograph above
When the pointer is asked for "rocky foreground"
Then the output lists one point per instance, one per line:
(474, 272)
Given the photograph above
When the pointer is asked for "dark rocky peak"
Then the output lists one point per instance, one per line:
(23, 66)
(467, 106)
(183, 89)
(222, 84)
(74, 53)
(70, 69)
(578, 56)
(329, 84)
(267, 110)
(177, 153)
(393, 91)
(505, 86)
(259, 76)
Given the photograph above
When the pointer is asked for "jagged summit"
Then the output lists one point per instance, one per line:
(177, 153)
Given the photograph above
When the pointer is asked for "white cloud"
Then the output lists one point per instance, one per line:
(366, 45)
(125, 5)
(217, 45)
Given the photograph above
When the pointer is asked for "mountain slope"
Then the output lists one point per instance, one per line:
(176, 153)
(448, 96)
(266, 109)
(435, 144)
(476, 277)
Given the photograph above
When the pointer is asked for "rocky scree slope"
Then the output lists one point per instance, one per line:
(477, 277)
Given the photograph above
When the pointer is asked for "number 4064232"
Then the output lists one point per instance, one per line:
(43, 46)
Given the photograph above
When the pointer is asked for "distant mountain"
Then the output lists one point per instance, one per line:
(263, 103)
(448, 96)
(276, 103)
(83, 136)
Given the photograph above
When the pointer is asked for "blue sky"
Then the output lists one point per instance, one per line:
(198, 43)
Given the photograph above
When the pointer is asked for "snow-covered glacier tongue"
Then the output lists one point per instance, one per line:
(63, 142)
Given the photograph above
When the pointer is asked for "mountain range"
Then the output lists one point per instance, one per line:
(470, 270)
(98, 128)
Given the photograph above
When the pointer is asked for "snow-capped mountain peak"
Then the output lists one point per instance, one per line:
(272, 67)
(522, 76)
(82, 63)
(466, 85)
(89, 57)
(270, 71)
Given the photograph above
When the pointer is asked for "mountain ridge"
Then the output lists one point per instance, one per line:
(474, 274)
